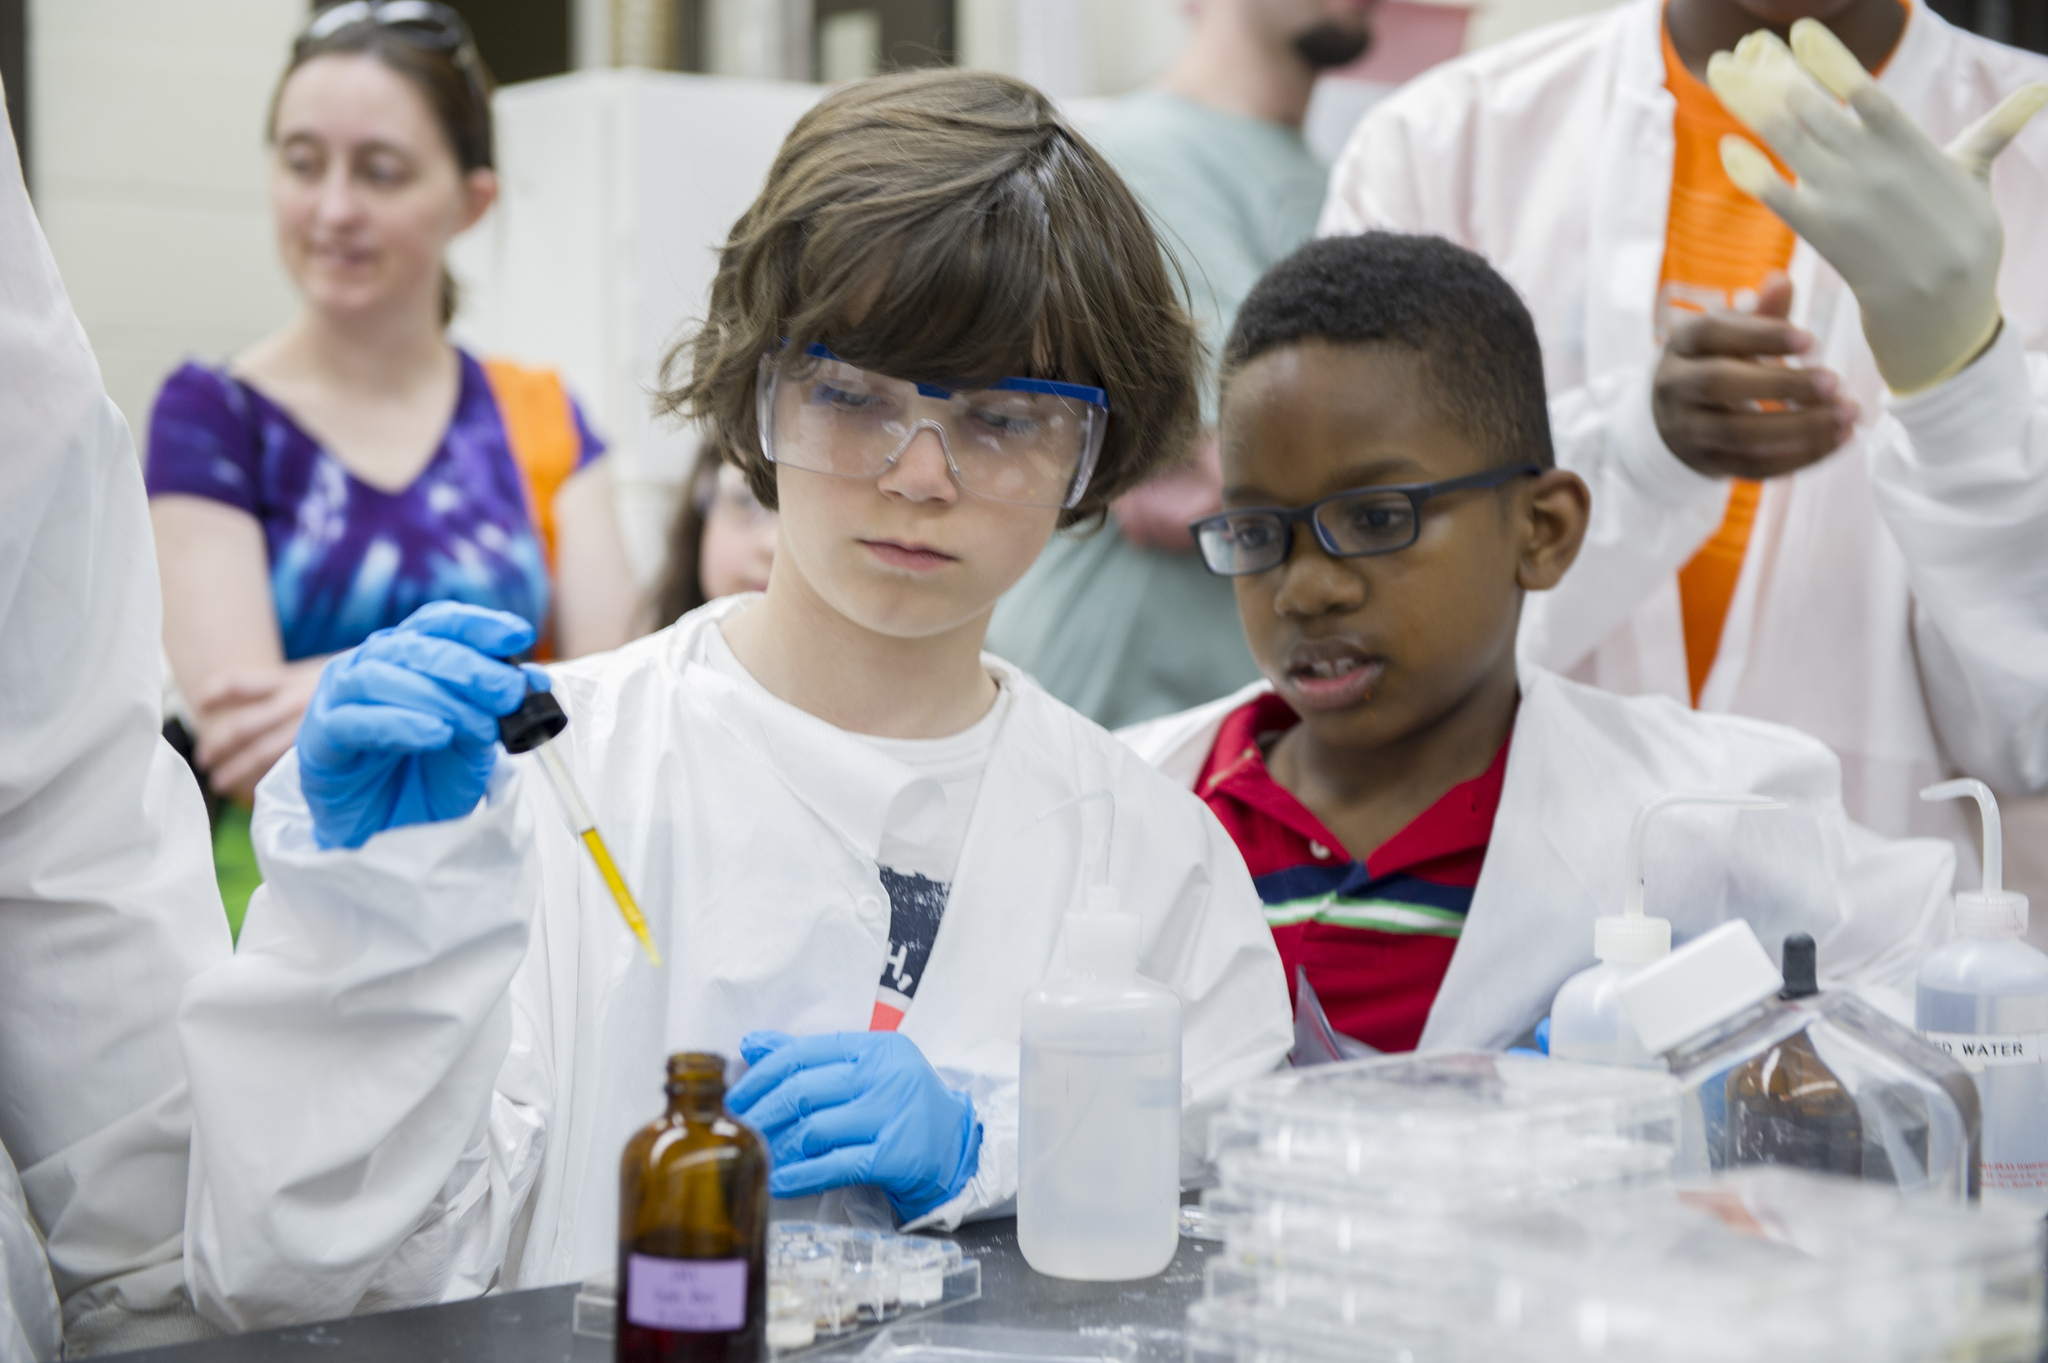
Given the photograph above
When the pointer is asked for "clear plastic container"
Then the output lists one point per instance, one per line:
(1099, 1104)
(1983, 998)
(1453, 1126)
(1819, 1081)
(1757, 1264)
(996, 1344)
(1374, 1167)
(1241, 1327)
(1762, 1263)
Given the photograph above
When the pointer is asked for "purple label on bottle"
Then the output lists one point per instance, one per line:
(686, 1294)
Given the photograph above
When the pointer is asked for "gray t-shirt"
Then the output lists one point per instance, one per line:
(1119, 632)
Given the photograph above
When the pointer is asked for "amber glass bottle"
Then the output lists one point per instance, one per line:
(1786, 1106)
(693, 1228)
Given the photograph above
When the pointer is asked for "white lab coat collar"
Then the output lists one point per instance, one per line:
(857, 790)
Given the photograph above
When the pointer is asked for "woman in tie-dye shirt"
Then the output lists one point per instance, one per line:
(346, 556)
(339, 474)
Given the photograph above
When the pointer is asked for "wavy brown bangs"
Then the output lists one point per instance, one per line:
(948, 226)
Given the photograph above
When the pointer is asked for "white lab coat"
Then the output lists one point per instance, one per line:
(107, 896)
(415, 1079)
(1890, 599)
(1581, 763)
(31, 1326)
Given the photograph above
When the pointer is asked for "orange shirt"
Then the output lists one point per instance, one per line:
(1719, 245)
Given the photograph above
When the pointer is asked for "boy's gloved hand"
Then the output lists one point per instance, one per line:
(857, 1107)
(1911, 228)
(404, 728)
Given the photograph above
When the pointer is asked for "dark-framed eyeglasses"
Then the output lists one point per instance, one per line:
(1355, 523)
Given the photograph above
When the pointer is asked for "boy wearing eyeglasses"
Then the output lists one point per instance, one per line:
(944, 329)
(1432, 827)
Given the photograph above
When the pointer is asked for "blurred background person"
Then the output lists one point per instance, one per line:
(335, 476)
(721, 542)
(1126, 624)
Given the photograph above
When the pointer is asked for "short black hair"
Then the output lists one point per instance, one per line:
(1476, 342)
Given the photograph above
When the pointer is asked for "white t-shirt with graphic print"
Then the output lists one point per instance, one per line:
(917, 875)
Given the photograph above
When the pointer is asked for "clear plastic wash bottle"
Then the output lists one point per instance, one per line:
(1983, 998)
(1789, 1074)
(1586, 1020)
(1098, 1136)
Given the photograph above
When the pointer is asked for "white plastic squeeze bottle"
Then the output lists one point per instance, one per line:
(1983, 998)
(1098, 1126)
(1586, 1018)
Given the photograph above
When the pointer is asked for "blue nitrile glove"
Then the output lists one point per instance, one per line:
(403, 729)
(857, 1107)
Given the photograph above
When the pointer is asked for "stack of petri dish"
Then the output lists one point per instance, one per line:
(1349, 1193)
(1762, 1263)
(1485, 1208)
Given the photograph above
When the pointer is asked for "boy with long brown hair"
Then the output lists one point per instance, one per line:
(943, 330)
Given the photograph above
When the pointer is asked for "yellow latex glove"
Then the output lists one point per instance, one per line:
(1910, 227)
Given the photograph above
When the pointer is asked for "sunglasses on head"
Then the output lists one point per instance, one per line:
(420, 22)
(423, 24)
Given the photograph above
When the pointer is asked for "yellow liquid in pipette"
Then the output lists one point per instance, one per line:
(603, 857)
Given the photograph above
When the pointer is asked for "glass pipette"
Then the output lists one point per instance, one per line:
(532, 728)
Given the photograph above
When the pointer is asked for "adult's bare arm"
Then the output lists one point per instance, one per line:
(221, 631)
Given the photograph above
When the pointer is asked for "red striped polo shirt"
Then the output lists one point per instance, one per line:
(1376, 935)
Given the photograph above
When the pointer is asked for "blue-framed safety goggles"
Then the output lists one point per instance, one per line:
(1031, 442)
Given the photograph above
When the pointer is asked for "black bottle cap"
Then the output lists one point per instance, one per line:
(538, 719)
(1801, 972)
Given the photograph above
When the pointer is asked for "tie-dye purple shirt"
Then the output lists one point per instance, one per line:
(347, 558)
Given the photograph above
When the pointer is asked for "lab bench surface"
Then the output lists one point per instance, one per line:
(533, 1326)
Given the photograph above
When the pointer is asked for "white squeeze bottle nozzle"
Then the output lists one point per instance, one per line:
(1992, 911)
(1099, 1104)
(1983, 998)
(1586, 1018)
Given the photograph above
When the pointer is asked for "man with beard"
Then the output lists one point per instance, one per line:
(1125, 624)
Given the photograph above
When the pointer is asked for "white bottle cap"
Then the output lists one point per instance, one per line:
(1701, 985)
(1631, 941)
(1102, 940)
(1979, 914)
(1993, 911)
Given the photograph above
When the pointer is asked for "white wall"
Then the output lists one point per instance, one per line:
(618, 187)
(146, 123)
